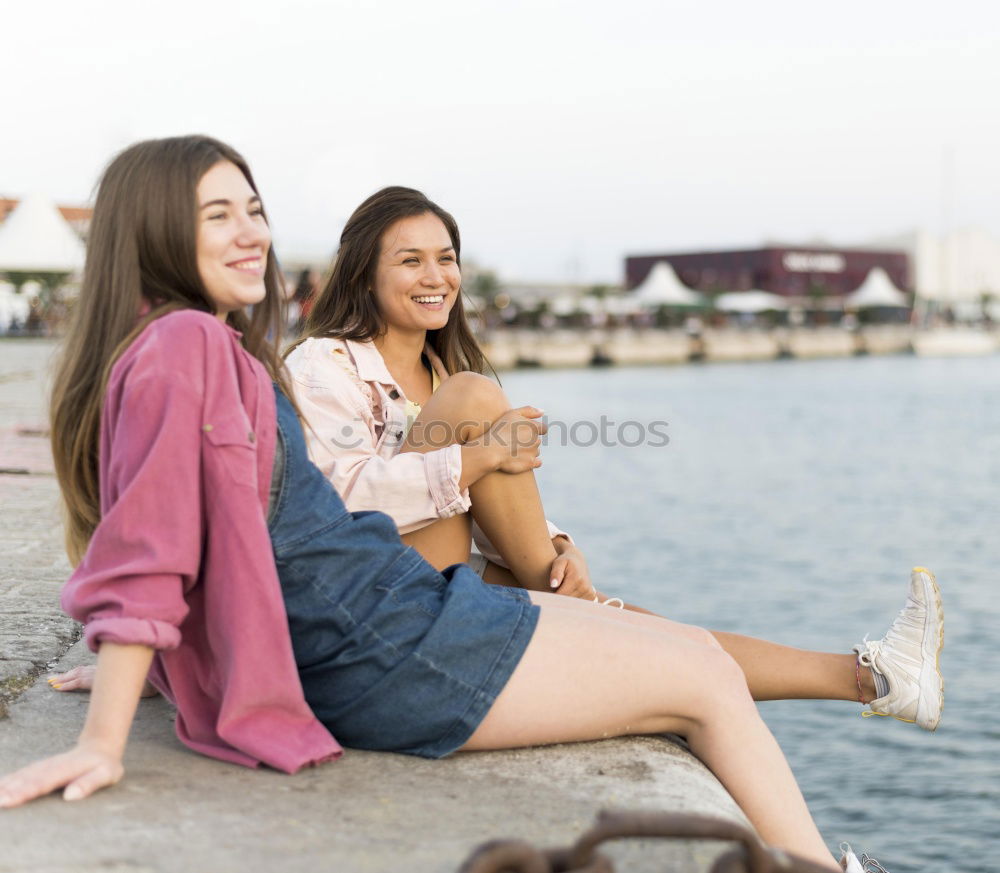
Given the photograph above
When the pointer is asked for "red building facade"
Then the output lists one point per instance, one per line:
(790, 271)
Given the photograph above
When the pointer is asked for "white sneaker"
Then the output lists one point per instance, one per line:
(908, 656)
(852, 864)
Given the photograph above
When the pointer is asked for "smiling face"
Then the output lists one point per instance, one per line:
(417, 279)
(233, 239)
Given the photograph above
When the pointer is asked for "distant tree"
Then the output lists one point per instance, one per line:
(986, 299)
(480, 281)
(817, 294)
(817, 291)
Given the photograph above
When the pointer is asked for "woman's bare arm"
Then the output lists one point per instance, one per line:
(82, 679)
(96, 759)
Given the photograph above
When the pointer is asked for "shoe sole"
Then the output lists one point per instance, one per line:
(931, 680)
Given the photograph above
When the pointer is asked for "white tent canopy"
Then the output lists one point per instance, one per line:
(876, 290)
(35, 238)
(662, 288)
(750, 301)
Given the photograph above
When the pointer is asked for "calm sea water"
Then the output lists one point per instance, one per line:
(790, 503)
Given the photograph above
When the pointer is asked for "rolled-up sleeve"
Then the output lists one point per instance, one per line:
(414, 488)
(145, 553)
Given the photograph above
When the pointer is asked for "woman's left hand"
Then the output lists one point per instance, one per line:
(80, 772)
(570, 574)
(77, 679)
(82, 679)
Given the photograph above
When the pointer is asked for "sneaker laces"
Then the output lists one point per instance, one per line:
(908, 616)
(611, 601)
(868, 650)
(866, 862)
(870, 865)
(872, 649)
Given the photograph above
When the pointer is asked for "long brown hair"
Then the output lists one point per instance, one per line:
(141, 261)
(345, 308)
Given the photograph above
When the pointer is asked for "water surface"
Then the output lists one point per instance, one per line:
(790, 503)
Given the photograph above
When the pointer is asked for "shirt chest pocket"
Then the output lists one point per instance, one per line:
(390, 432)
(230, 450)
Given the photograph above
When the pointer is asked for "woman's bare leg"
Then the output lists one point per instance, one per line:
(506, 506)
(772, 671)
(497, 575)
(445, 542)
(776, 672)
(588, 675)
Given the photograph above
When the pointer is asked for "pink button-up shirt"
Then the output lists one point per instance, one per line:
(356, 414)
(181, 560)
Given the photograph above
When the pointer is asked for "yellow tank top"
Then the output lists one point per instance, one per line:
(413, 409)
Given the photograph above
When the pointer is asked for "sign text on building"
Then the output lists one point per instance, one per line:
(813, 262)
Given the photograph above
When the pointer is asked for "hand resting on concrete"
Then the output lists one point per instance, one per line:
(82, 679)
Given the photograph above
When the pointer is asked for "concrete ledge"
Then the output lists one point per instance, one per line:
(740, 345)
(886, 339)
(831, 342)
(955, 342)
(641, 347)
(34, 631)
(649, 347)
(177, 811)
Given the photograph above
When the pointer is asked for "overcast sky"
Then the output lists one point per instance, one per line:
(562, 135)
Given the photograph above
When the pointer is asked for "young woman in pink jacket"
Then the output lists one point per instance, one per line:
(403, 420)
(194, 512)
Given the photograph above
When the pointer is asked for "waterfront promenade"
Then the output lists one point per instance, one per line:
(177, 811)
(577, 348)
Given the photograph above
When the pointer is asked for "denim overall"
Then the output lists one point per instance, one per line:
(392, 654)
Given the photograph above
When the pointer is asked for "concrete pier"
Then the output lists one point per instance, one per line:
(954, 341)
(741, 345)
(625, 347)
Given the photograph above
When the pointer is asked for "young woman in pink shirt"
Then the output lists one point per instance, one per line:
(193, 511)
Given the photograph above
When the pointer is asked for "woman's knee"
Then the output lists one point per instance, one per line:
(703, 637)
(474, 394)
(707, 689)
(724, 684)
(717, 683)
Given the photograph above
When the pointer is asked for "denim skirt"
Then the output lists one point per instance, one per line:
(392, 654)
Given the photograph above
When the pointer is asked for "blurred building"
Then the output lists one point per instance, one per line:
(528, 295)
(962, 266)
(791, 271)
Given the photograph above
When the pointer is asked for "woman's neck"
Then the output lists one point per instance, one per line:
(402, 353)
